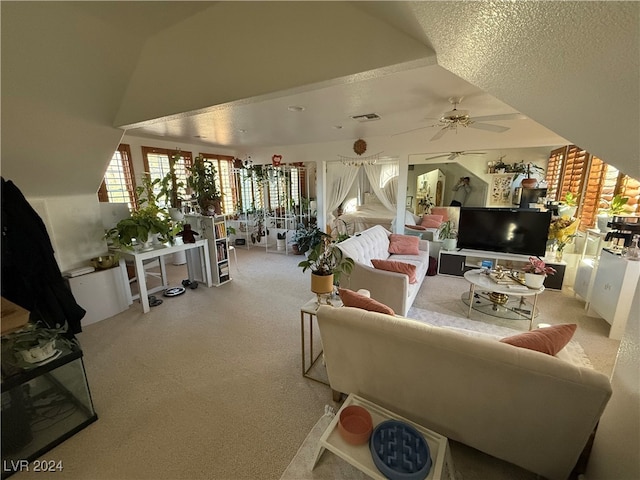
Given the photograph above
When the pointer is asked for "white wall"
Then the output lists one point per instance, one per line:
(616, 449)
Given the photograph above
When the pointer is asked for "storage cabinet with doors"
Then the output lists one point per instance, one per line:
(214, 229)
(613, 290)
(457, 262)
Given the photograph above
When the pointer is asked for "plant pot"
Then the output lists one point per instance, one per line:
(602, 221)
(534, 280)
(280, 243)
(321, 283)
(528, 183)
(449, 243)
(176, 214)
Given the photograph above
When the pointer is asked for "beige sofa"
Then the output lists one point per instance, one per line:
(525, 407)
(391, 288)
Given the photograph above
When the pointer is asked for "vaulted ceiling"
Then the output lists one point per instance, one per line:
(76, 74)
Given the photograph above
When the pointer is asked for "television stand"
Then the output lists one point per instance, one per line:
(457, 262)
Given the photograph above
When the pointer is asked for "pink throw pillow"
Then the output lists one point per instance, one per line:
(415, 227)
(395, 266)
(404, 244)
(549, 340)
(354, 299)
(431, 221)
(442, 211)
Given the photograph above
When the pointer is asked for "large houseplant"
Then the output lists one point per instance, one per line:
(448, 235)
(203, 182)
(327, 263)
(616, 207)
(170, 189)
(527, 169)
(146, 220)
(306, 237)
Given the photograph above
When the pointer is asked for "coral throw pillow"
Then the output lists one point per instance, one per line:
(549, 340)
(431, 221)
(395, 266)
(404, 244)
(441, 211)
(354, 299)
(415, 227)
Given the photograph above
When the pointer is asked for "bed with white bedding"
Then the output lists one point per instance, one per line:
(366, 216)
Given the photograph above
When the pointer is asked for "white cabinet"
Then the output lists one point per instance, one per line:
(613, 289)
(101, 293)
(214, 229)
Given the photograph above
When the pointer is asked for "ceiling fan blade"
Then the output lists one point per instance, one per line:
(497, 118)
(437, 156)
(440, 133)
(488, 127)
(412, 130)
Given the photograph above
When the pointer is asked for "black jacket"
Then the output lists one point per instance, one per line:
(31, 277)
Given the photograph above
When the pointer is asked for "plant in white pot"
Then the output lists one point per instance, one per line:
(536, 271)
(448, 235)
(616, 207)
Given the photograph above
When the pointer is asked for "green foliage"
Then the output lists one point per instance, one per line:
(325, 258)
(616, 206)
(203, 182)
(525, 168)
(447, 230)
(570, 199)
(148, 219)
(170, 186)
(307, 237)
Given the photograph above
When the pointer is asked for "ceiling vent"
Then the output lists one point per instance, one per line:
(367, 117)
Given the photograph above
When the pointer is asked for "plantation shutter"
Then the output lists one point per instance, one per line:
(554, 172)
(118, 184)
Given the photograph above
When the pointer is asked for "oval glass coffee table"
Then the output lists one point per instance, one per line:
(503, 300)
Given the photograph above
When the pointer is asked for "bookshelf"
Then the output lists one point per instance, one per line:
(214, 229)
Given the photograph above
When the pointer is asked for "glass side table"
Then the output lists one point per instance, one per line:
(308, 311)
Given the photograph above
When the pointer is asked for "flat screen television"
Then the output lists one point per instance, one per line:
(506, 230)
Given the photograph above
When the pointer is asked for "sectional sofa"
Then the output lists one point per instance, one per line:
(391, 288)
(529, 408)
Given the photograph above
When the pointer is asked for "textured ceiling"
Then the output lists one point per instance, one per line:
(552, 61)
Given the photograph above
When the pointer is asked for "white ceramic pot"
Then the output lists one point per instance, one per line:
(602, 221)
(534, 280)
(449, 243)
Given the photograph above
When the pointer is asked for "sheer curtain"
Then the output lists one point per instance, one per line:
(384, 182)
(339, 180)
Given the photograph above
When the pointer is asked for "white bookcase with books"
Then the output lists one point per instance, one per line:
(214, 229)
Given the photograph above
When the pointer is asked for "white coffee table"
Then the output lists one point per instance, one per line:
(480, 280)
(360, 456)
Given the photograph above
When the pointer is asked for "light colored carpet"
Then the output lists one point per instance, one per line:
(208, 385)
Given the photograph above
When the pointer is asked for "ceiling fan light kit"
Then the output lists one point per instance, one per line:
(455, 118)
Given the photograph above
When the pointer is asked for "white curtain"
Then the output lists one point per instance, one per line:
(339, 180)
(384, 182)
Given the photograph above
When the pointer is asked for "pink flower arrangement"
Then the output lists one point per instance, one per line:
(536, 265)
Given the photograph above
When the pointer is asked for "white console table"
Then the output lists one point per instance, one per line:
(159, 252)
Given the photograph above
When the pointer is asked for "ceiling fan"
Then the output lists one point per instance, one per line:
(454, 155)
(451, 120)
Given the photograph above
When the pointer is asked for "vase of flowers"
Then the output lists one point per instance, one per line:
(536, 271)
(562, 231)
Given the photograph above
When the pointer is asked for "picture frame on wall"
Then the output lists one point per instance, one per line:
(500, 190)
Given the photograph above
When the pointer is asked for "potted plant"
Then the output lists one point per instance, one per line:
(170, 187)
(327, 263)
(306, 237)
(147, 219)
(616, 207)
(569, 207)
(448, 234)
(536, 271)
(526, 169)
(203, 183)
